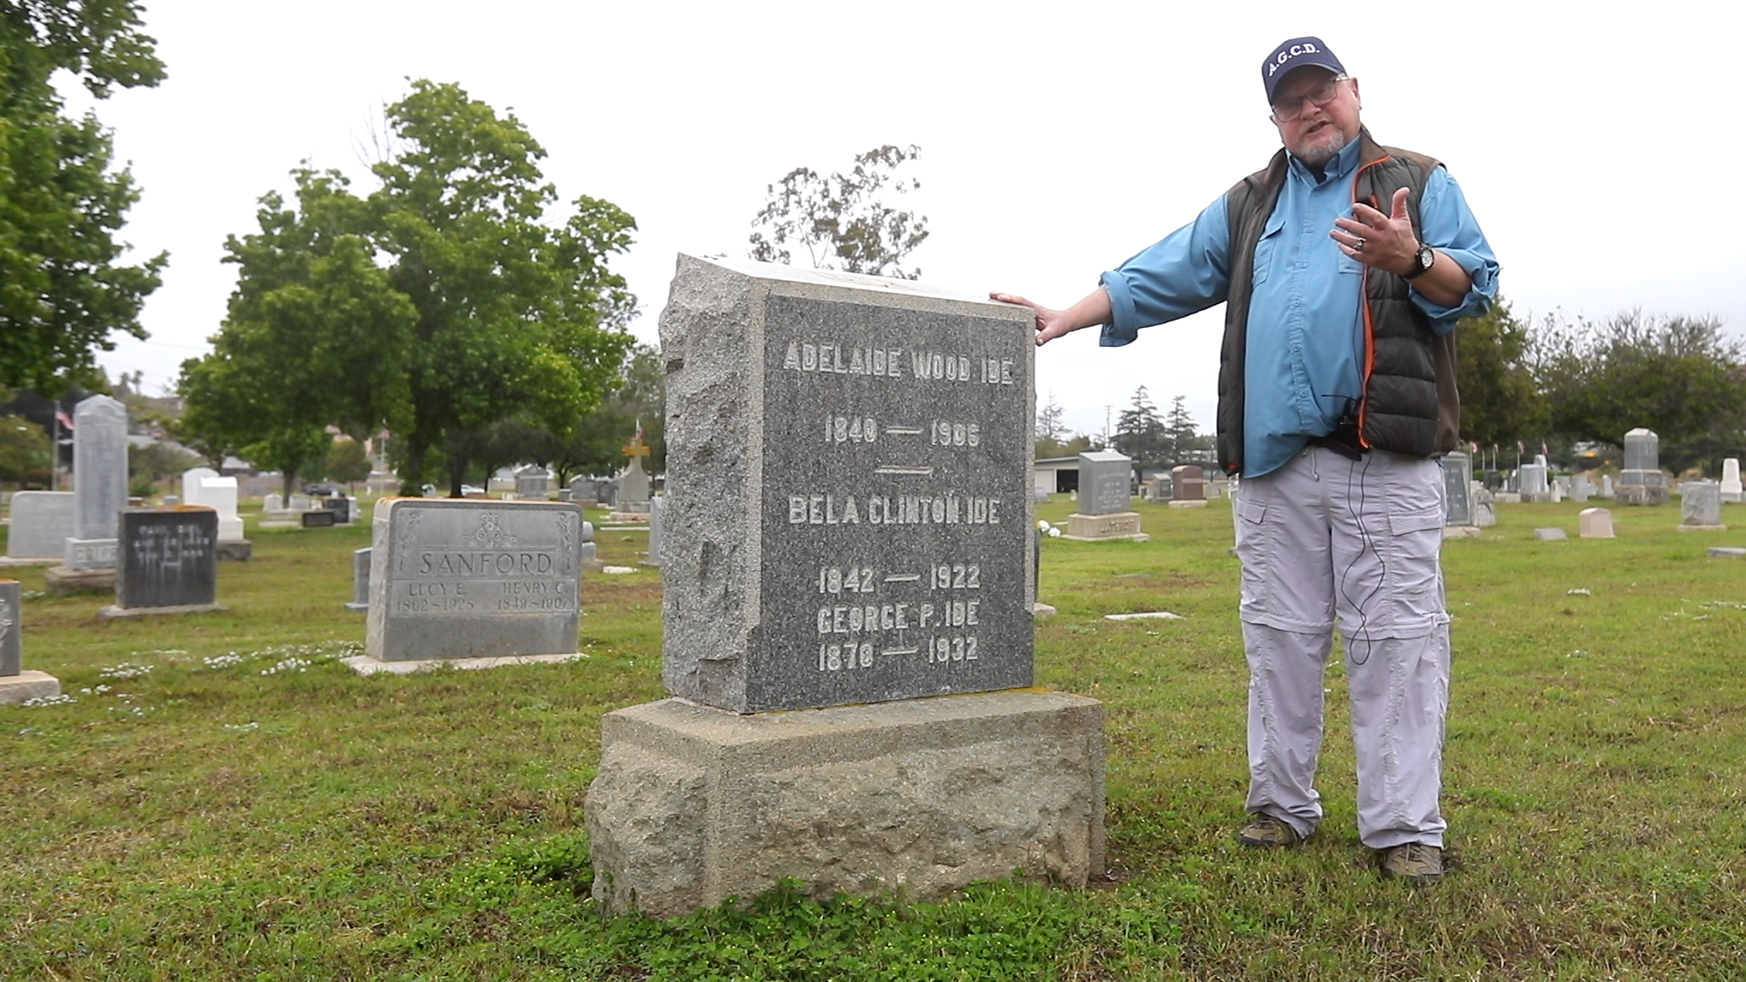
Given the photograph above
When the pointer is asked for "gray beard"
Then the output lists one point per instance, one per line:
(1325, 149)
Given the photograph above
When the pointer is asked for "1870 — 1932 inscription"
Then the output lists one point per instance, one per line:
(886, 442)
(465, 579)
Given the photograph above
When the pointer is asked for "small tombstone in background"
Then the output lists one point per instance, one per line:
(42, 522)
(17, 684)
(318, 519)
(169, 562)
(1484, 506)
(1730, 487)
(360, 580)
(1606, 492)
(1595, 523)
(533, 482)
(1580, 488)
(273, 502)
(1187, 487)
(1104, 511)
(1531, 482)
(1550, 534)
(657, 505)
(1700, 505)
(590, 550)
(1641, 480)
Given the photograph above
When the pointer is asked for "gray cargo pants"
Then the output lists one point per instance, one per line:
(1327, 539)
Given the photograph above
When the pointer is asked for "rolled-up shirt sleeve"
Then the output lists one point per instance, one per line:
(1184, 272)
(1450, 228)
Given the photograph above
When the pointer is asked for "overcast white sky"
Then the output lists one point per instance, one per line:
(1596, 143)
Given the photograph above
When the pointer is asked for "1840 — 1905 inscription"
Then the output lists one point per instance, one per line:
(879, 442)
(470, 579)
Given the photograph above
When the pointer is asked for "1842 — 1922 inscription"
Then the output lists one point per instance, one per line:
(888, 458)
(469, 579)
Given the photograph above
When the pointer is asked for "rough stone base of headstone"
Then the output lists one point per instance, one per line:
(1642, 494)
(65, 580)
(365, 665)
(1461, 532)
(1099, 528)
(1536, 497)
(28, 685)
(238, 551)
(1507, 498)
(917, 798)
(1189, 503)
(113, 611)
(1701, 528)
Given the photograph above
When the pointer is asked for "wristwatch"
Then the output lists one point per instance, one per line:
(1423, 260)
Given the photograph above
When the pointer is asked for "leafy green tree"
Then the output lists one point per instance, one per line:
(1140, 432)
(347, 462)
(1679, 376)
(842, 220)
(438, 305)
(24, 452)
(1501, 402)
(62, 290)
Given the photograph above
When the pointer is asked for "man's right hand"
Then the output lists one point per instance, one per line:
(1094, 309)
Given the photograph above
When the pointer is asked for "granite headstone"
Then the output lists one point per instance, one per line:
(99, 482)
(1594, 523)
(360, 580)
(1641, 480)
(457, 578)
(851, 508)
(1105, 482)
(1700, 504)
(1457, 489)
(1730, 487)
(169, 557)
(11, 624)
(42, 522)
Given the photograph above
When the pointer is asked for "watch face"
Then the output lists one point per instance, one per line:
(1427, 259)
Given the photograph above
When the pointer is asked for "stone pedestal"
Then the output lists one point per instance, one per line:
(693, 805)
(1188, 503)
(28, 685)
(1096, 528)
(65, 580)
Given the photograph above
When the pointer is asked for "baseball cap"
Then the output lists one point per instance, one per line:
(1295, 54)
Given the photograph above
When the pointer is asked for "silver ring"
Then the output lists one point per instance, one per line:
(1359, 247)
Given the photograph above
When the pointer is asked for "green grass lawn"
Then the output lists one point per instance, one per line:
(222, 799)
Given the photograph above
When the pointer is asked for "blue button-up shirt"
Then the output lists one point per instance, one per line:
(1304, 361)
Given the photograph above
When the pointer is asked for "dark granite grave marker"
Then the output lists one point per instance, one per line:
(1457, 489)
(850, 512)
(169, 557)
(11, 625)
(322, 519)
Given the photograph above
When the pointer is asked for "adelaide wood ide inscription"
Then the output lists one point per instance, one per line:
(851, 513)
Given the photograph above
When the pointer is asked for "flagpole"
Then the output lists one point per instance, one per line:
(55, 452)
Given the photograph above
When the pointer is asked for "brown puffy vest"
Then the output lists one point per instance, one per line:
(1409, 403)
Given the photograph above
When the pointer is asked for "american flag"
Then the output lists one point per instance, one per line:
(62, 417)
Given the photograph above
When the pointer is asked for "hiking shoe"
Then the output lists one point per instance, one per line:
(1266, 832)
(1415, 862)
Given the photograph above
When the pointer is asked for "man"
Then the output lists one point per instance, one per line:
(1343, 266)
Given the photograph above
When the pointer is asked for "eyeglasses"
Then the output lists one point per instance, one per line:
(1321, 95)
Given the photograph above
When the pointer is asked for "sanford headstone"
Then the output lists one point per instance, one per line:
(458, 578)
(169, 558)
